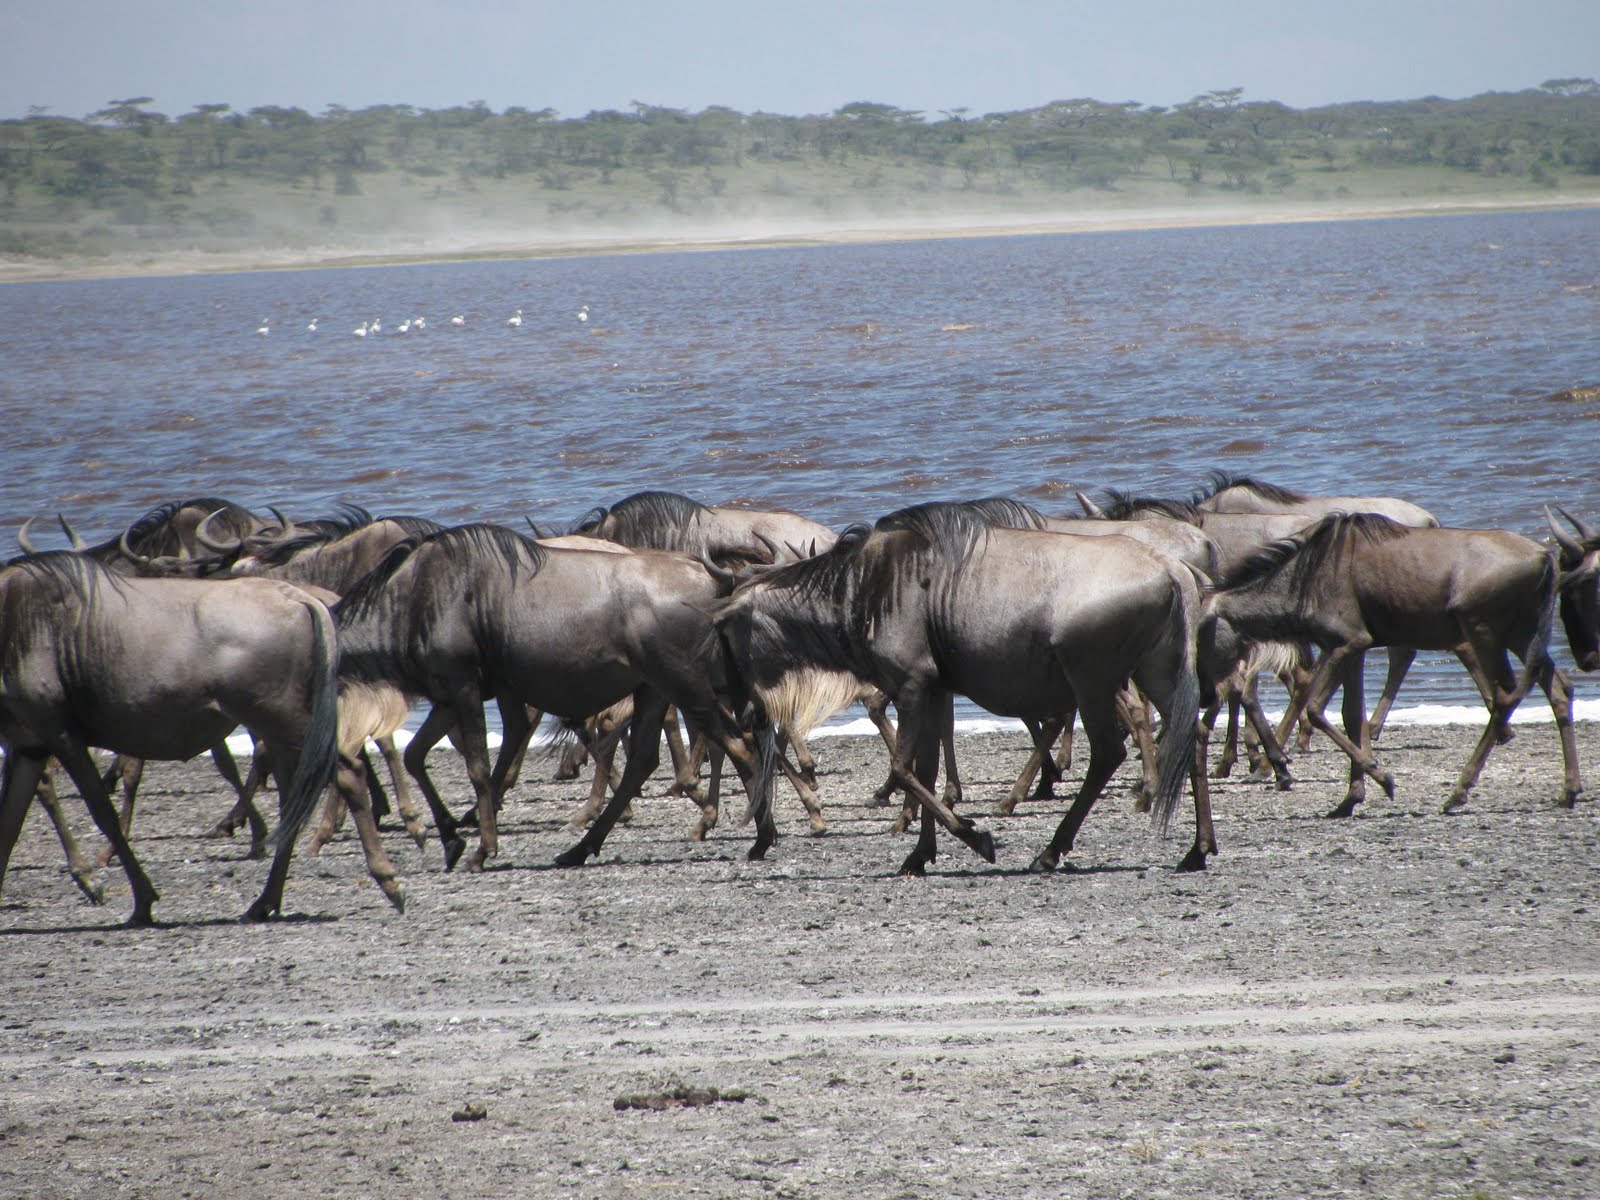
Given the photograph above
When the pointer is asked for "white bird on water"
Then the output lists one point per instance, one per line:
(418, 323)
(583, 313)
(360, 330)
(377, 325)
(312, 328)
(404, 327)
(266, 326)
(458, 320)
(516, 319)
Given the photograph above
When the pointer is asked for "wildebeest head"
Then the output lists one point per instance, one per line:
(1580, 587)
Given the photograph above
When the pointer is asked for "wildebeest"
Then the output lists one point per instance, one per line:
(934, 600)
(1350, 583)
(1225, 493)
(728, 536)
(480, 612)
(161, 669)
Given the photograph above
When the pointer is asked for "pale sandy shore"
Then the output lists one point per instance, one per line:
(1400, 1005)
(566, 244)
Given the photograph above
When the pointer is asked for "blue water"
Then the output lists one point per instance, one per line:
(1407, 357)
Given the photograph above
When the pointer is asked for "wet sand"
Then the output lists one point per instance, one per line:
(1402, 1004)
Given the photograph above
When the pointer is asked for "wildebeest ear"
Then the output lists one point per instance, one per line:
(1090, 508)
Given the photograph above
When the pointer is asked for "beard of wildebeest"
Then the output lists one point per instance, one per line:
(1580, 589)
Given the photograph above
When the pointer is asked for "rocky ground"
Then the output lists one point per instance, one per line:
(1402, 1005)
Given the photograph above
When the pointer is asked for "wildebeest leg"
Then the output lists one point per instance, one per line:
(1324, 678)
(1132, 717)
(409, 816)
(244, 810)
(686, 760)
(1107, 749)
(128, 771)
(644, 752)
(351, 782)
(508, 763)
(1492, 670)
(947, 740)
(472, 737)
(282, 764)
(1205, 835)
(915, 765)
(75, 758)
(78, 866)
(603, 750)
(803, 787)
(1230, 741)
(1558, 690)
(877, 707)
(20, 776)
(1354, 711)
(434, 726)
(1049, 731)
(1270, 748)
(1400, 660)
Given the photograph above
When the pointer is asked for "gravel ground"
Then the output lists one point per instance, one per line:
(1404, 1004)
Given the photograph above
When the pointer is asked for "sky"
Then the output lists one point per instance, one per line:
(72, 57)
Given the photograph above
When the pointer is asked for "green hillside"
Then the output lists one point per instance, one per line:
(128, 184)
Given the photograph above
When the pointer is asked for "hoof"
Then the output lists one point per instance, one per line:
(1045, 862)
(913, 867)
(982, 842)
(758, 851)
(257, 913)
(1454, 805)
(1386, 781)
(453, 848)
(1008, 806)
(819, 827)
(1285, 783)
(574, 857)
(222, 829)
(1344, 810)
(1195, 860)
(391, 889)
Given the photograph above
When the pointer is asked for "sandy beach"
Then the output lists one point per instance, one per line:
(568, 244)
(1402, 1004)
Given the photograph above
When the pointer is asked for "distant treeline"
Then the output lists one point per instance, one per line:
(131, 165)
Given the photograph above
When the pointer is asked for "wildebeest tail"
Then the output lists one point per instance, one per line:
(807, 696)
(319, 752)
(1176, 752)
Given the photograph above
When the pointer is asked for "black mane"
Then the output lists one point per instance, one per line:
(644, 521)
(1124, 506)
(1220, 481)
(1307, 552)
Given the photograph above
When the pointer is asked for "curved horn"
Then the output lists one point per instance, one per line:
(772, 546)
(24, 542)
(536, 534)
(720, 573)
(1584, 531)
(205, 539)
(1569, 548)
(285, 526)
(78, 543)
(1090, 508)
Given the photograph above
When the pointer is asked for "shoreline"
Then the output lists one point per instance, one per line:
(577, 246)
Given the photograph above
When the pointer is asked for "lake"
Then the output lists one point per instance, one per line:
(1414, 357)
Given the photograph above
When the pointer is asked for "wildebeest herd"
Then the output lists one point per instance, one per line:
(1140, 618)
